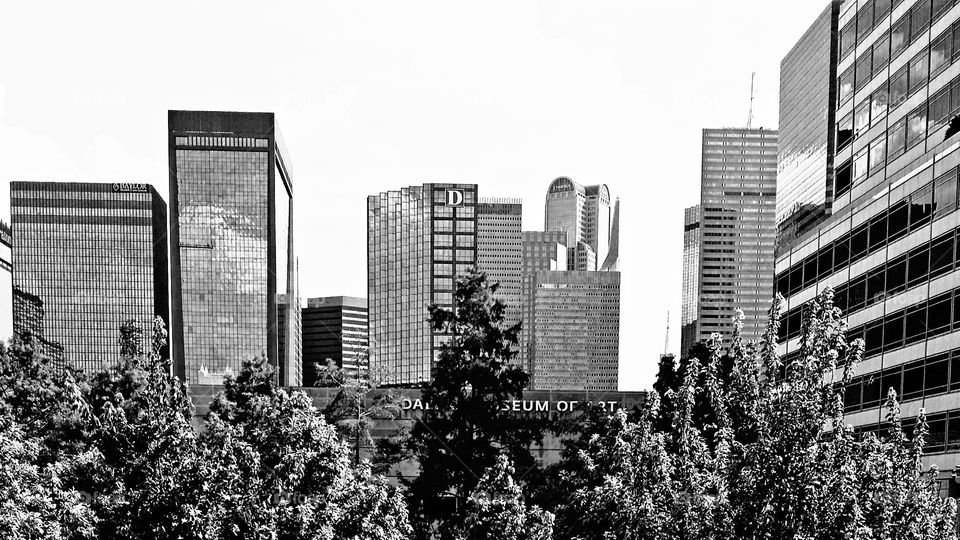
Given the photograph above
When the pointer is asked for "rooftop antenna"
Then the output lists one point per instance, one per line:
(750, 114)
(666, 339)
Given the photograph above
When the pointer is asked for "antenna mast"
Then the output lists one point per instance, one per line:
(666, 339)
(750, 114)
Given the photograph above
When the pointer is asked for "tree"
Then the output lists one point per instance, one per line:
(466, 428)
(496, 510)
(782, 462)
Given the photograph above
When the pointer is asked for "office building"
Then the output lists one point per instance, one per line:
(575, 330)
(611, 262)
(419, 239)
(889, 248)
(691, 278)
(499, 251)
(808, 90)
(87, 258)
(335, 332)
(541, 251)
(6, 281)
(294, 377)
(738, 230)
(231, 233)
(584, 214)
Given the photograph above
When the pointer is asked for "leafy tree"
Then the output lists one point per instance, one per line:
(466, 429)
(776, 461)
(496, 510)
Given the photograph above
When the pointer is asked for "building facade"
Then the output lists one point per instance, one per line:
(6, 281)
(738, 230)
(419, 239)
(231, 232)
(806, 145)
(335, 331)
(575, 329)
(87, 258)
(691, 278)
(499, 251)
(889, 249)
(584, 213)
(541, 251)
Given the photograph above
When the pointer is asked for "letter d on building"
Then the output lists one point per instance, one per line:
(454, 197)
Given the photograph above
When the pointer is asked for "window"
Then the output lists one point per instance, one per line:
(940, 54)
(919, 19)
(899, 87)
(851, 397)
(918, 266)
(857, 295)
(913, 381)
(935, 374)
(858, 243)
(899, 36)
(845, 131)
(916, 324)
(845, 85)
(860, 165)
(873, 336)
(864, 71)
(941, 256)
(875, 289)
(844, 178)
(918, 71)
(916, 126)
(871, 391)
(810, 270)
(848, 38)
(878, 152)
(881, 54)
(897, 275)
(945, 193)
(921, 207)
(881, 10)
(878, 104)
(861, 118)
(939, 8)
(878, 232)
(897, 138)
(936, 433)
(890, 378)
(939, 108)
(864, 21)
(955, 96)
(938, 315)
(825, 262)
(899, 221)
(893, 332)
(841, 252)
(956, 41)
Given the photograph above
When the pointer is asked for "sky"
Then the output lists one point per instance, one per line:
(375, 95)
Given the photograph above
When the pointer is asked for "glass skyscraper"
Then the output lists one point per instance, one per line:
(231, 231)
(499, 252)
(584, 214)
(87, 258)
(889, 249)
(691, 278)
(6, 281)
(419, 239)
(541, 251)
(737, 230)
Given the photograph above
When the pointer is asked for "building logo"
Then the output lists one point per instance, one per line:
(454, 197)
(130, 188)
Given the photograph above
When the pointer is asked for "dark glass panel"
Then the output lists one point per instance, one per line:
(845, 85)
(913, 381)
(873, 336)
(938, 315)
(871, 390)
(899, 35)
(878, 232)
(897, 275)
(844, 179)
(845, 131)
(841, 251)
(857, 292)
(935, 376)
(891, 378)
(810, 270)
(848, 38)
(941, 256)
(875, 286)
(899, 86)
(939, 108)
(858, 243)
(917, 125)
(921, 207)
(824, 262)
(918, 267)
(919, 71)
(893, 332)
(936, 433)
(916, 324)
(919, 18)
(851, 396)
(899, 221)
(940, 53)
(945, 193)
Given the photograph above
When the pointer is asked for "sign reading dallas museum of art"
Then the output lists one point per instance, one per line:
(522, 405)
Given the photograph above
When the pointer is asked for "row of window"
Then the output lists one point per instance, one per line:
(926, 377)
(943, 431)
(911, 213)
(910, 78)
(906, 29)
(921, 264)
(910, 325)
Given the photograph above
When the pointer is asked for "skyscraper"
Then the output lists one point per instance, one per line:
(6, 281)
(499, 251)
(584, 214)
(419, 239)
(691, 278)
(738, 230)
(87, 258)
(541, 251)
(808, 88)
(576, 330)
(889, 247)
(335, 329)
(231, 231)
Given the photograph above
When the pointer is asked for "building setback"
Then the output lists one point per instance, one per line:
(499, 251)
(335, 330)
(541, 251)
(691, 278)
(231, 217)
(576, 330)
(737, 200)
(87, 258)
(889, 248)
(419, 239)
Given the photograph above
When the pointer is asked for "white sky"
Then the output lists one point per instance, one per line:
(377, 95)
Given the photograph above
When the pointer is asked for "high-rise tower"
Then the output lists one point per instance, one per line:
(584, 214)
(231, 232)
